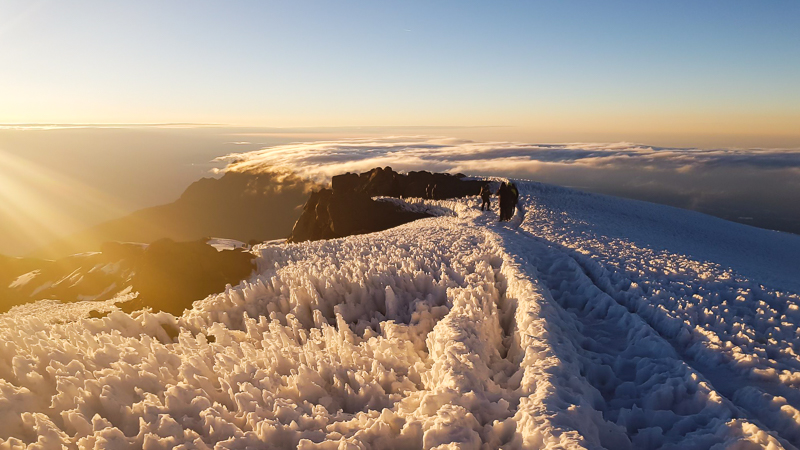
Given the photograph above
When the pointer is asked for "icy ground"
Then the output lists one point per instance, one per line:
(585, 322)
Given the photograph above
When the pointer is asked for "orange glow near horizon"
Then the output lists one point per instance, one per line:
(41, 205)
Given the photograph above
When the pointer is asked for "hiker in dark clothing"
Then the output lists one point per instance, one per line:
(508, 197)
(486, 196)
(504, 198)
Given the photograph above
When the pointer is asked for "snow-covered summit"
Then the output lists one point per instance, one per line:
(585, 322)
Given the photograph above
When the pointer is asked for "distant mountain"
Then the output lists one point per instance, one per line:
(84, 276)
(165, 275)
(243, 206)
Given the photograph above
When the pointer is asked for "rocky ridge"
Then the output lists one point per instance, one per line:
(348, 207)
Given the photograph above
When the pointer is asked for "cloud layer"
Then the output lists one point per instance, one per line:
(758, 186)
(322, 159)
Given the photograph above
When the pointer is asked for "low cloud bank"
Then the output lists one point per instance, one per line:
(755, 186)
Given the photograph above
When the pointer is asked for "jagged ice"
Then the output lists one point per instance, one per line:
(585, 322)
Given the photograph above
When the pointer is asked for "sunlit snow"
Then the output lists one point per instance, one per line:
(585, 322)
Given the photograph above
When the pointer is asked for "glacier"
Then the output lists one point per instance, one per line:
(586, 321)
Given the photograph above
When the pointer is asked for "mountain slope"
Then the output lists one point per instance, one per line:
(585, 322)
(163, 276)
(242, 206)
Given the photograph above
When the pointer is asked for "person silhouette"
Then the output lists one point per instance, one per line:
(504, 198)
(486, 196)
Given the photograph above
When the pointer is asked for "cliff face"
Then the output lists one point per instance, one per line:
(347, 208)
(170, 276)
(241, 206)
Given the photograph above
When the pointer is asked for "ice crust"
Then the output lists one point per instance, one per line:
(585, 322)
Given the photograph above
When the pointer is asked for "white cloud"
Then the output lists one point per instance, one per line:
(320, 160)
(761, 183)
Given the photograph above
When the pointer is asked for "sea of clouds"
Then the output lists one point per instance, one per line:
(755, 186)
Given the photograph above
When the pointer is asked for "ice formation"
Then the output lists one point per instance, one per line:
(585, 322)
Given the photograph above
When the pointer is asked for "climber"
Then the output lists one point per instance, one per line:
(486, 196)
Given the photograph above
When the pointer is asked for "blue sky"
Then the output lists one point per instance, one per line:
(704, 74)
(606, 70)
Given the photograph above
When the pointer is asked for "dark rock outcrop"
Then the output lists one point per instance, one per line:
(329, 214)
(171, 275)
(347, 208)
(243, 206)
(385, 182)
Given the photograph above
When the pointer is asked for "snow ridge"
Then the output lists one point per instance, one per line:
(554, 330)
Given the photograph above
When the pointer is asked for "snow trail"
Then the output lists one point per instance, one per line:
(755, 370)
(650, 397)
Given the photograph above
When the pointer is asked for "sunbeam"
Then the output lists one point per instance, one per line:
(42, 204)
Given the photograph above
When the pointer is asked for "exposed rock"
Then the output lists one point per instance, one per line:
(115, 251)
(329, 214)
(84, 276)
(385, 182)
(97, 314)
(171, 275)
(168, 275)
(347, 207)
(242, 206)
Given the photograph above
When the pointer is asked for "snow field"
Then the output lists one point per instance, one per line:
(736, 332)
(646, 395)
(585, 322)
(380, 341)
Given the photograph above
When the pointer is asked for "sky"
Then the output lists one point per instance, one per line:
(711, 73)
(109, 107)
